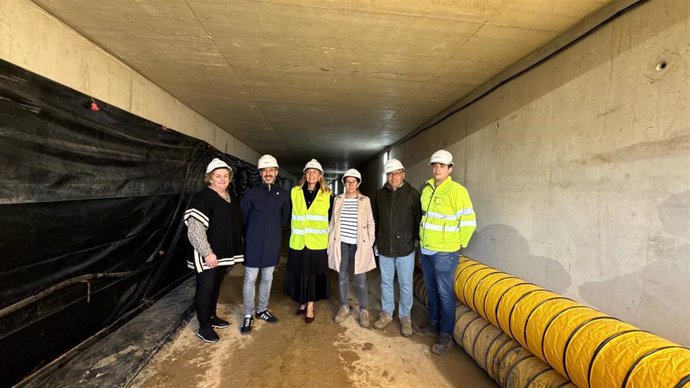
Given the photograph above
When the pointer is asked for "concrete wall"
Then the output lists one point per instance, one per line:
(579, 170)
(37, 41)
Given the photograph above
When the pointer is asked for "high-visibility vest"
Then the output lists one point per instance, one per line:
(448, 219)
(309, 226)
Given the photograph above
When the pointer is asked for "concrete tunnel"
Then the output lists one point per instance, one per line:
(567, 122)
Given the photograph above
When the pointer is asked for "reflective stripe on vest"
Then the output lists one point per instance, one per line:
(309, 226)
(448, 219)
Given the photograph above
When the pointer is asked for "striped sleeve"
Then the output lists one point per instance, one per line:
(199, 264)
(467, 218)
(196, 232)
(197, 215)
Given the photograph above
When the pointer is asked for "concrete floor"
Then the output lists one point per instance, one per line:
(291, 353)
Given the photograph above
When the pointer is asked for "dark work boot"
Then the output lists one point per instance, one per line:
(444, 342)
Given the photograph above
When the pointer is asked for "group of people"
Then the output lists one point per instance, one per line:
(342, 233)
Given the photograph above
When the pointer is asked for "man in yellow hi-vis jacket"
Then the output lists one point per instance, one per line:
(448, 222)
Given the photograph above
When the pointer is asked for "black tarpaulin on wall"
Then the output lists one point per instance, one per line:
(91, 205)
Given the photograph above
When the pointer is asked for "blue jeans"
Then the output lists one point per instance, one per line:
(347, 261)
(439, 274)
(404, 265)
(249, 288)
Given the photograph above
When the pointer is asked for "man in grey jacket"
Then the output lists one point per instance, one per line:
(397, 212)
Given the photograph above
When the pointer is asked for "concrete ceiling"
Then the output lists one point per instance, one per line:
(334, 80)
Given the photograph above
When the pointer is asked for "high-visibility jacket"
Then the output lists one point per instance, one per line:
(309, 226)
(448, 219)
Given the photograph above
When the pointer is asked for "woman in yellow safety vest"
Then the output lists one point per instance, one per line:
(306, 273)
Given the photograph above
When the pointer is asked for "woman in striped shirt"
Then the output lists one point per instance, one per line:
(350, 245)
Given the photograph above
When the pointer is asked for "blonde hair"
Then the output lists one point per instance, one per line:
(208, 177)
(322, 183)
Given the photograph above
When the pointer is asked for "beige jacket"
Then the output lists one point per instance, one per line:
(364, 256)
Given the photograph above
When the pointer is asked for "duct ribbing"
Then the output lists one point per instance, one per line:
(504, 360)
(587, 346)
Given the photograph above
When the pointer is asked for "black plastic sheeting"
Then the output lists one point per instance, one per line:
(91, 207)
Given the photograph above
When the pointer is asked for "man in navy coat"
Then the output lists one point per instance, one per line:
(266, 208)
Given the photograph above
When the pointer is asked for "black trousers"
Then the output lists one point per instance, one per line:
(207, 291)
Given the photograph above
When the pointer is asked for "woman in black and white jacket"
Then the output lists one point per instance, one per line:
(214, 223)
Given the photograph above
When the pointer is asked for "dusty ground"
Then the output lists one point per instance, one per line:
(291, 353)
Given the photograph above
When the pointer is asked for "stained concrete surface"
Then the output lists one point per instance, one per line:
(357, 74)
(586, 157)
(656, 306)
(508, 251)
(292, 353)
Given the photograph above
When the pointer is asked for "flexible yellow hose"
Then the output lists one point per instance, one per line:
(501, 357)
(589, 347)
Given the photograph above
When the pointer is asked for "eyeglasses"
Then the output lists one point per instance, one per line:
(396, 173)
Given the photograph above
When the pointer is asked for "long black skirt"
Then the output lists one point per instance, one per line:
(306, 275)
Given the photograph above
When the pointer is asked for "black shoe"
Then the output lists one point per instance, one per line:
(219, 323)
(207, 334)
(267, 316)
(429, 329)
(247, 325)
(444, 342)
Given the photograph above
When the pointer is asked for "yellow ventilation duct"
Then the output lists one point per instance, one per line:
(584, 345)
(503, 359)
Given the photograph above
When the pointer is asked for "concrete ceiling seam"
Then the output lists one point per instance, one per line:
(300, 78)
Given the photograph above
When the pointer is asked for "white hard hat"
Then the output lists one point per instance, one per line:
(393, 165)
(267, 161)
(217, 163)
(353, 173)
(313, 164)
(443, 157)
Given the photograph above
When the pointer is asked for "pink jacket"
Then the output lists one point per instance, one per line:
(364, 256)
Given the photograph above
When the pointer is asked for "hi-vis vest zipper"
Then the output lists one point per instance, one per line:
(448, 219)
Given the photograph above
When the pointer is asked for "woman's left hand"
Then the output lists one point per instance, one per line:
(211, 260)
